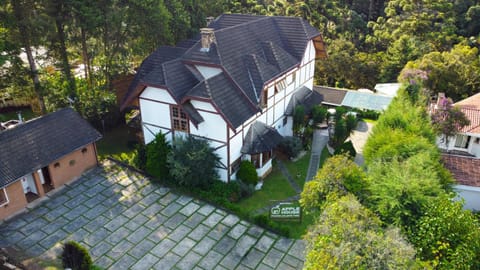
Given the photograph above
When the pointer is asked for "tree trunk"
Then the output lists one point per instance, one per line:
(86, 59)
(63, 50)
(18, 11)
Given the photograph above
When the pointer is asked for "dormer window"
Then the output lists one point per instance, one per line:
(179, 119)
(264, 99)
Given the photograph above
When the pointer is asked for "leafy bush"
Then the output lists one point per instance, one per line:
(157, 153)
(247, 173)
(346, 148)
(75, 256)
(246, 190)
(368, 114)
(319, 114)
(264, 221)
(291, 146)
(193, 162)
(140, 160)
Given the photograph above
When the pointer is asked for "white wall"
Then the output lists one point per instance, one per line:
(471, 195)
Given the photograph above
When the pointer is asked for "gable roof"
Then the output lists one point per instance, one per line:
(39, 142)
(466, 170)
(250, 50)
(471, 108)
(330, 95)
(260, 138)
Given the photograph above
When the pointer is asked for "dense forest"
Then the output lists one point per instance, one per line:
(368, 42)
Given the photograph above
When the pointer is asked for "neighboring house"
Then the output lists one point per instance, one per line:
(358, 99)
(230, 86)
(43, 154)
(462, 155)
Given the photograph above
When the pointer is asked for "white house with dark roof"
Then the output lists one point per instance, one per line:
(231, 86)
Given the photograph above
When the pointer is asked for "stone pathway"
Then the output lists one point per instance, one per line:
(128, 223)
(359, 137)
(320, 139)
(286, 173)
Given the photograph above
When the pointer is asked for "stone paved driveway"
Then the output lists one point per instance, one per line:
(128, 223)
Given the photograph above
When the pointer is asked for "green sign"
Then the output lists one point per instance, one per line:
(286, 210)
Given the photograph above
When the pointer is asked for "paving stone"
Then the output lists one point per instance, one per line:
(168, 261)
(273, 258)
(244, 245)
(75, 224)
(14, 224)
(171, 209)
(109, 201)
(98, 250)
(104, 262)
(78, 235)
(245, 223)
(174, 221)
(139, 234)
(189, 209)
(52, 239)
(96, 236)
(193, 220)
(76, 200)
(179, 233)
(218, 231)
(153, 210)
(220, 212)
(75, 212)
(133, 210)
(212, 220)
(283, 244)
(94, 191)
(118, 235)
(219, 267)
(189, 261)
(162, 190)
(225, 245)
(97, 223)
(163, 248)
(286, 266)
(35, 250)
(183, 200)
(141, 249)
(114, 211)
(230, 220)
(210, 260)
(255, 231)
(242, 267)
(32, 239)
(264, 267)
(253, 258)
(136, 222)
(147, 190)
(231, 260)
(168, 198)
(116, 223)
(237, 231)
(298, 249)
(150, 199)
(145, 263)
(119, 249)
(184, 247)
(155, 221)
(95, 212)
(292, 261)
(93, 202)
(124, 262)
(199, 232)
(204, 246)
(264, 243)
(206, 210)
(56, 201)
(159, 234)
(52, 227)
(54, 214)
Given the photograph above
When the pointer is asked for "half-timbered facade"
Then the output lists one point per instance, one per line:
(231, 86)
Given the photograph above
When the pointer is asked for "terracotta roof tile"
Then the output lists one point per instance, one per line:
(466, 170)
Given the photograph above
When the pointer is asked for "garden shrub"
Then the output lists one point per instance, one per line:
(247, 173)
(157, 152)
(346, 148)
(291, 146)
(368, 114)
(75, 256)
(266, 222)
(319, 114)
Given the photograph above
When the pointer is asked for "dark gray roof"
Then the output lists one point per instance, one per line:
(260, 138)
(250, 50)
(330, 95)
(305, 97)
(39, 142)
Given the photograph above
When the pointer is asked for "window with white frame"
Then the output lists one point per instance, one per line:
(462, 141)
(3, 197)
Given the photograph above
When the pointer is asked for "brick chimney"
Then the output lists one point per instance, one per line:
(208, 37)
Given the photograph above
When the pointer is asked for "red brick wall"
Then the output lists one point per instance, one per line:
(17, 200)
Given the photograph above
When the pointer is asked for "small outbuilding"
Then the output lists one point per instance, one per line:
(43, 154)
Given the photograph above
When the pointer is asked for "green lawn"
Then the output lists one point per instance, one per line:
(298, 229)
(115, 142)
(275, 187)
(27, 114)
(299, 168)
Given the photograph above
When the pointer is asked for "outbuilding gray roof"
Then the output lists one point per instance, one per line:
(39, 142)
(260, 138)
(250, 50)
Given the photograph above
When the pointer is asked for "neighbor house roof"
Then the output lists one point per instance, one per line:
(305, 97)
(260, 138)
(39, 142)
(471, 108)
(330, 96)
(466, 170)
(367, 101)
(250, 50)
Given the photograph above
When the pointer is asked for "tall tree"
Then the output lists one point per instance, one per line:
(448, 120)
